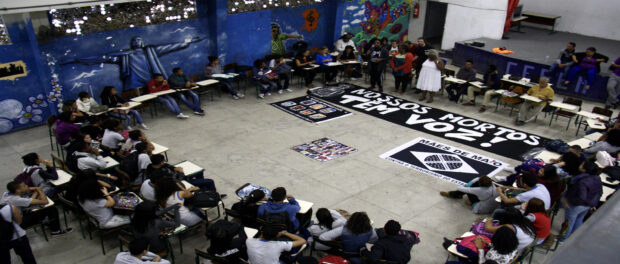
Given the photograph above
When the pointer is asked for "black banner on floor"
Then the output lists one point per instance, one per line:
(443, 161)
(490, 137)
(310, 109)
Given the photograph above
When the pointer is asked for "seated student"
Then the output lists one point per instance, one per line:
(86, 157)
(531, 188)
(549, 177)
(139, 253)
(227, 241)
(135, 137)
(85, 102)
(568, 163)
(264, 78)
(112, 137)
(178, 80)
(267, 248)
(466, 73)
(169, 193)
(17, 195)
(277, 206)
(402, 65)
(93, 128)
(563, 62)
(322, 59)
(354, 235)
(328, 219)
(97, 202)
(378, 56)
(348, 55)
(159, 167)
(110, 97)
(147, 224)
(279, 66)
(158, 84)
(610, 142)
(13, 236)
(480, 192)
(144, 160)
(302, 64)
(343, 42)
(588, 62)
(584, 192)
(393, 244)
(534, 210)
(516, 221)
(248, 208)
(214, 68)
(72, 190)
(39, 177)
(65, 128)
(503, 248)
(491, 80)
(71, 106)
(147, 189)
(529, 109)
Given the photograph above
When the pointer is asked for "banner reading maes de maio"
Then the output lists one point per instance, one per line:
(490, 137)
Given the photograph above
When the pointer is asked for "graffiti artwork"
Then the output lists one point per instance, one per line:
(311, 17)
(368, 19)
(13, 70)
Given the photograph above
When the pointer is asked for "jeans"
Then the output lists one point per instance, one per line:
(529, 110)
(555, 67)
(127, 117)
(402, 81)
(36, 217)
(266, 86)
(375, 79)
(21, 246)
(170, 103)
(613, 89)
(330, 73)
(194, 104)
(574, 215)
(590, 74)
(308, 76)
(229, 86)
(283, 81)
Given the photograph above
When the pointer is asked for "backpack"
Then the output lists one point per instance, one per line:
(467, 246)
(557, 145)
(531, 165)
(205, 199)
(478, 229)
(280, 218)
(130, 165)
(72, 162)
(26, 178)
(6, 228)
(333, 260)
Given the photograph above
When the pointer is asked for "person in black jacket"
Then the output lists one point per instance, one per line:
(394, 244)
(109, 96)
(227, 241)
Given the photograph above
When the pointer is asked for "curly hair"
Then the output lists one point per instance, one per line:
(504, 240)
(359, 223)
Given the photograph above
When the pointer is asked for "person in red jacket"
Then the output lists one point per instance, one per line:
(402, 64)
(158, 84)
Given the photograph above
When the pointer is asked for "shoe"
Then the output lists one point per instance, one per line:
(62, 232)
(144, 126)
(482, 109)
(371, 88)
(222, 196)
(268, 94)
(445, 194)
(564, 229)
(235, 97)
(240, 95)
(200, 113)
(417, 91)
(469, 104)
(182, 116)
(261, 96)
(353, 79)
(468, 202)
(289, 90)
(447, 243)
(520, 123)
(280, 91)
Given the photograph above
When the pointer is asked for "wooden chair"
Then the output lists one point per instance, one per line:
(567, 114)
(94, 223)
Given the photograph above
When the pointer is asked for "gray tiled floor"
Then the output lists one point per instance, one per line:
(248, 141)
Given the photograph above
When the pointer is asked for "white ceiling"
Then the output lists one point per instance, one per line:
(22, 6)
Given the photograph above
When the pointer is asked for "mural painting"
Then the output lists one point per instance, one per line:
(368, 19)
(311, 18)
(13, 70)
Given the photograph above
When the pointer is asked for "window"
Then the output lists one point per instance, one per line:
(4, 34)
(240, 6)
(82, 20)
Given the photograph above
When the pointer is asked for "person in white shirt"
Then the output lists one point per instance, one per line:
(111, 137)
(147, 191)
(86, 102)
(88, 157)
(328, 219)
(18, 241)
(266, 250)
(97, 202)
(144, 160)
(139, 253)
(343, 42)
(532, 189)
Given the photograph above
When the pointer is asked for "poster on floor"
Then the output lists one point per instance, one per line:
(443, 161)
(500, 140)
(324, 149)
(311, 110)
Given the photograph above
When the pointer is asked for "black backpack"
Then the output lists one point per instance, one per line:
(205, 199)
(72, 162)
(130, 165)
(6, 228)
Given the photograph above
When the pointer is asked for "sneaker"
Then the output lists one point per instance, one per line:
(469, 104)
(482, 109)
(200, 113)
(353, 79)
(62, 232)
(182, 116)
(261, 96)
(144, 126)
(235, 97)
(520, 123)
(445, 194)
(240, 95)
(268, 94)
(468, 202)
(280, 91)
(222, 196)
(289, 90)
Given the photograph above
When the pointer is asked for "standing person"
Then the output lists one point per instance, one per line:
(322, 59)
(393, 244)
(12, 236)
(179, 81)
(279, 66)
(109, 96)
(530, 109)
(421, 56)
(267, 248)
(429, 80)
(343, 42)
(303, 61)
(491, 80)
(466, 73)
(564, 61)
(214, 67)
(277, 39)
(583, 193)
(590, 62)
(158, 84)
(139, 253)
(378, 56)
(402, 64)
(613, 85)
(264, 78)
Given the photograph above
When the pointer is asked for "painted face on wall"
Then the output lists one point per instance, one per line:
(137, 42)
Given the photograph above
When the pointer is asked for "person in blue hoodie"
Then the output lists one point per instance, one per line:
(277, 205)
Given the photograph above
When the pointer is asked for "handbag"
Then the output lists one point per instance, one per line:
(467, 246)
(125, 201)
(205, 199)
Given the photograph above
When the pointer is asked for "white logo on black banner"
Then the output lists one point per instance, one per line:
(444, 162)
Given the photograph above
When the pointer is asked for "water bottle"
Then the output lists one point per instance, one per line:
(547, 58)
